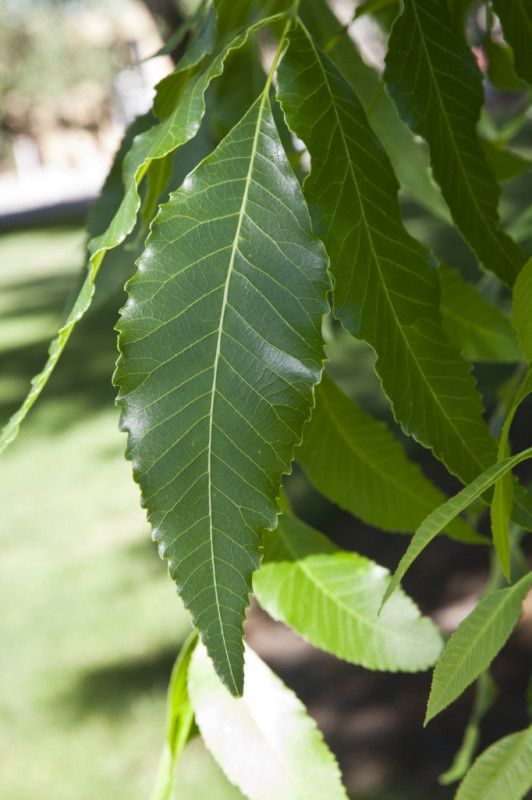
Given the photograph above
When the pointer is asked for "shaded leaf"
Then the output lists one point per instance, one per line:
(386, 291)
(220, 350)
(516, 20)
(501, 69)
(265, 741)
(505, 163)
(476, 327)
(522, 309)
(342, 593)
(475, 643)
(358, 463)
(485, 695)
(501, 771)
(437, 88)
(501, 504)
(409, 157)
(179, 721)
(438, 519)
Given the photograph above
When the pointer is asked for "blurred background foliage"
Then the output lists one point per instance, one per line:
(90, 624)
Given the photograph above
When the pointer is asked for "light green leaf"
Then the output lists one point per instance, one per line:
(408, 156)
(265, 741)
(501, 504)
(475, 643)
(477, 328)
(358, 463)
(386, 290)
(502, 772)
(516, 19)
(485, 695)
(438, 519)
(179, 721)
(220, 350)
(342, 593)
(437, 88)
(179, 126)
(522, 309)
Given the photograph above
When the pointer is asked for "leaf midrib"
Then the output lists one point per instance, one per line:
(377, 262)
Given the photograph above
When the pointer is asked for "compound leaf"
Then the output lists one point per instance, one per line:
(220, 350)
(265, 742)
(438, 519)
(437, 88)
(516, 20)
(476, 327)
(503, 770)
(342, 592)
(475, 643)
(358, 463)
(386, 290)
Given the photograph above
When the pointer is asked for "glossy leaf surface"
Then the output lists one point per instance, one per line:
(437, 88)
(265, 741)
(358, 463)
(386, 290)
(342, 592)
(475, 643)
(501, 771)
(221, 348)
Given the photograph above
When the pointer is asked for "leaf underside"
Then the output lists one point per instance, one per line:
(437, 88)
(342, 592)
(220, 350)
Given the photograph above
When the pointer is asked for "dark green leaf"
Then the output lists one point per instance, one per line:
(516, 19)
(438, 519)
(522, 309)
(475, 643)
(386, 290)
(505, 163)
(477, 328)
(265, 742)
(501, 70)
(342, 593)
(220, 351)
(502, 772)
(437, 87)
(358, 463)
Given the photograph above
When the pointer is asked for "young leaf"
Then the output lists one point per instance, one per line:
(475, 643)
(220, 350)
(501, 771)
(409, 159)
(438, 519)
(179, 720)
(357, 462)
(485, 695)
(501, 504)
(265, 741)
(342, 593)
(179, 126)
(516, 19)
(437, 88)
(386, 291)
(522, 309)
(477, 328)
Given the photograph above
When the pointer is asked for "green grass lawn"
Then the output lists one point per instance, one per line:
(90, 623)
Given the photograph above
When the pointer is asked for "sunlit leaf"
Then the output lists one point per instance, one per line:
(342, 593)
(501, 771)
(437, 88)
(265, 741)
(220, 350)
(475, 643)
